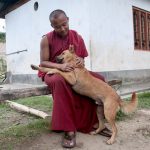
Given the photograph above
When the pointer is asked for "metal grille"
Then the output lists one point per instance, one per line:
(148, 26)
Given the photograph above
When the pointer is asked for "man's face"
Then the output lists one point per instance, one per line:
(60, 25)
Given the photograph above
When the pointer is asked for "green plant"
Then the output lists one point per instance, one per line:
(2, 37)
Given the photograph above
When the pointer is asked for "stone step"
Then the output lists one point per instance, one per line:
(16, 91)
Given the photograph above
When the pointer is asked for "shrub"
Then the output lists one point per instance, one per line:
(2, 37)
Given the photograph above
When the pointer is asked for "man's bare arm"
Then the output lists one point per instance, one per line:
(45, 55)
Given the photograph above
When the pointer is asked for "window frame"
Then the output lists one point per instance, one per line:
(141, 29)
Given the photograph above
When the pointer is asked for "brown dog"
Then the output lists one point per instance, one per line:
(85, 84)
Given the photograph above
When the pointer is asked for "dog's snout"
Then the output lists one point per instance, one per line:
(59, 60)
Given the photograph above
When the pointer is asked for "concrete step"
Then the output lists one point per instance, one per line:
(129, 88)
(15, 91)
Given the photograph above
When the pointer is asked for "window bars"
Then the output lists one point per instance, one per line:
(141, 23)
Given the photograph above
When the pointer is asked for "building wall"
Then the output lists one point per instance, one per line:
(25, 30)
(106, 26)
(112, 37)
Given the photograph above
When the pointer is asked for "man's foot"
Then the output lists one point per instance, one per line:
(69, 140)
(106, 132)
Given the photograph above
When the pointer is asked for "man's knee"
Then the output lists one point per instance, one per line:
(54, 79)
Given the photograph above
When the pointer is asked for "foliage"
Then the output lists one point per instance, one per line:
(17, 127)
(2, 37)
(143, 102)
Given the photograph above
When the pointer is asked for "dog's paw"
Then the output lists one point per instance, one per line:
(93, 133)
(110, 141)
(50, 72)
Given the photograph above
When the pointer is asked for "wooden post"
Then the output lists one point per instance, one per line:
(27, 109)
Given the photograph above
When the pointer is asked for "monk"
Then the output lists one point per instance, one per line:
(71, 111)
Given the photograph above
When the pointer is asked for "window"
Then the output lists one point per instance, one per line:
(141, 22)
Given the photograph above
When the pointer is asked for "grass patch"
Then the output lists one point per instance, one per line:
(17, 127)
(29, 130)
(43, 103)
(16, 134)
(3, 106)
(143, 102)
(121, 116)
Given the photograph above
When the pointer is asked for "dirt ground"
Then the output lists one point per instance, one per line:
(133, 134)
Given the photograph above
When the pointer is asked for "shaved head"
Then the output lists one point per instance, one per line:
(59, 21)
(56, 13)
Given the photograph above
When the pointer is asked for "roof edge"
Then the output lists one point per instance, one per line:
(12, 7)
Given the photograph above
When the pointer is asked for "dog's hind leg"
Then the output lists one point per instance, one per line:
(100, 115)
(114, 132)
(110, 114)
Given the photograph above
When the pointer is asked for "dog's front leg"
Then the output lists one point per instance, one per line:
(68, 76)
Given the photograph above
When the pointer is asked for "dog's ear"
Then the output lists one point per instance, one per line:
(71, 48)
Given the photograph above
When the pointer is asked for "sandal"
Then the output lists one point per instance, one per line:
(69, 141)
(106, 132)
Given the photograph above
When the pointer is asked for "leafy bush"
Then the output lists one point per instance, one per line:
(2, 65)
(2, 37)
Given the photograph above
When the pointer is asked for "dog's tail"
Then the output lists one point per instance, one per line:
(130, 106)
(34, 67)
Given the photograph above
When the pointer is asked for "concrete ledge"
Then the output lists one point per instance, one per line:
(128, 89)
(16, 91)
(127, 77)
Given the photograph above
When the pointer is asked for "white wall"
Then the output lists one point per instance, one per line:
(25, 28)
(106, 26)
(112, 38)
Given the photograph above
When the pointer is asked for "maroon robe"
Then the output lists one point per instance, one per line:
(71, 111)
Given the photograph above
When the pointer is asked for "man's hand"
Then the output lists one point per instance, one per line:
(79, 62)
(66, 67)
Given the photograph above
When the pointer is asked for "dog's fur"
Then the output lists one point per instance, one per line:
(85, 84)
